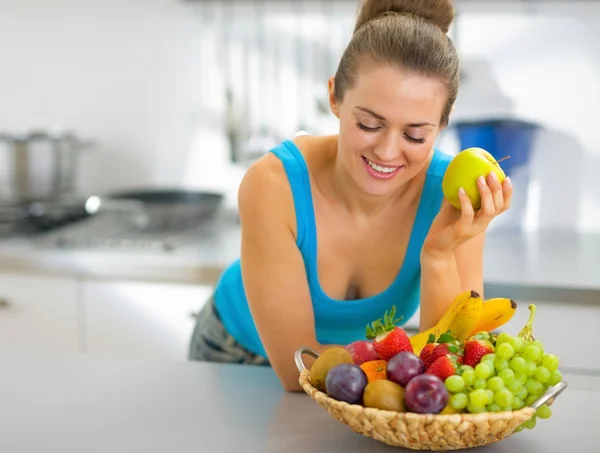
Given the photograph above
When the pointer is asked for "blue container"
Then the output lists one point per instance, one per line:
(501, 137)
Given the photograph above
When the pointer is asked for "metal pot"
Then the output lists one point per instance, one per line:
(38, 166)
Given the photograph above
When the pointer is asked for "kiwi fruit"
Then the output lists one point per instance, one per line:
(384, 394)
(326, 361)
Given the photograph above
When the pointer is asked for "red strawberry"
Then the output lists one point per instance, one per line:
(443, 349)
(443, 367)
(444, 345)
(475, 349)
(427, 354)
(388, 339)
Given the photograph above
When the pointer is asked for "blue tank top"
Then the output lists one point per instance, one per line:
(336, 321)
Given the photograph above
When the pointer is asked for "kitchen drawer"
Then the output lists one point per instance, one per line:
(38, 312)
(140, 319)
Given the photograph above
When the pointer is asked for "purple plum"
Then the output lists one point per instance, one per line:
(404, 366)
(346, 382)
(426, 394)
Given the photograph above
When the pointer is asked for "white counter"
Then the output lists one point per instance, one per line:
(547, 260)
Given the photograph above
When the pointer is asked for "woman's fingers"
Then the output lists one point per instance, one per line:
(467, 214)
(488, 209)
(507, 193)
(497, 193)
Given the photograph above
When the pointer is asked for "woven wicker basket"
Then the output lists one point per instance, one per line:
(422, 431)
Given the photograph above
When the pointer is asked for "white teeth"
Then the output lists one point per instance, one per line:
(380, 168)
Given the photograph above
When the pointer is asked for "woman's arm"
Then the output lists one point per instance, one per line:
(443, 276)
(273, 270)
(452, 255)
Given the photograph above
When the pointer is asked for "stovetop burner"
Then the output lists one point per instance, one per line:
(110, 233)
(35, 218)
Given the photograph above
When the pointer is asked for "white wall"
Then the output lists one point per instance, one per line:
(548, 66)
(139, 77)
(126, 74)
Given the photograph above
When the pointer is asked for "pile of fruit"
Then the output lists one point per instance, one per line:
(458, 366)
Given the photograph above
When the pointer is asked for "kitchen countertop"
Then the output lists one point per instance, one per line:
(543, 261)
(78, 403)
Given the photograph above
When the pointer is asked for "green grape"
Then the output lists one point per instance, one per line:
(475, 409)
(493, 407)
(455, 383)
(480, 384)
(555, 377)
(489, 358)
(503, 337)
(503, 397)
(495, 383)
(501, 364)
(483, 370)
(532, 353)
(534, 387)
(514, 386)
(539, 345)
(530, 424)
(506, 375)
(490, 396)
(531, 367)
(550, 362)
(521, 379)
(504, 351)
(542, 374)
(463, 368)
(468, 376)
(517, 343)
(519, 365)
(517, 403)
(521, 393)
(478, 398)
(544, 411)
(459, 400)
(531, 399)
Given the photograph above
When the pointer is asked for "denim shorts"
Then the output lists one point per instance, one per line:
(210, 341)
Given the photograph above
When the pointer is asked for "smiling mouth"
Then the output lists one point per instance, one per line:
(380, 168)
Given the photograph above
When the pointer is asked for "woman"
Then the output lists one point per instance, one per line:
(337, 229)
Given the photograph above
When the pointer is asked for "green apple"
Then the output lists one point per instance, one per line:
(463, 171)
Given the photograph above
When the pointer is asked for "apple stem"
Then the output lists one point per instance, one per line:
(504, 158)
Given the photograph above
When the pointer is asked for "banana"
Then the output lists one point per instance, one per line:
(466, 319)
(495, 313)
(460, 317)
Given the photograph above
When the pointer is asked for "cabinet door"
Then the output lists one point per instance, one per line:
(139, 319)
(38, 312)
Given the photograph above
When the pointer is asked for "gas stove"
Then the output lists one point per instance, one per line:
(109, 232)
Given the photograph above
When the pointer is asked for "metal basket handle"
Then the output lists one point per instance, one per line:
(550, 394)
(298, 357)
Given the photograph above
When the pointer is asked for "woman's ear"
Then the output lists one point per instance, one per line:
(332, 101)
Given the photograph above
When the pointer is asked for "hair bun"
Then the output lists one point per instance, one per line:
(440, 12)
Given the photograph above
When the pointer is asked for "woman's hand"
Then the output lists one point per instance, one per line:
(453, 227)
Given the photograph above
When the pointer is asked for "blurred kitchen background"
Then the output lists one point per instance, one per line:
(126, 127)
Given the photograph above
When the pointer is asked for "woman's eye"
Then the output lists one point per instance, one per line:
(367, 128)
(414, 140)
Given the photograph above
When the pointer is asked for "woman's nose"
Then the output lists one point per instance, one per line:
(389, 148)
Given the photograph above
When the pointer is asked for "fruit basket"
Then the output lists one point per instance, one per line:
(423, 431)
(457, 385)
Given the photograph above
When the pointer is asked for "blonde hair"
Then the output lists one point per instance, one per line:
(407, 34)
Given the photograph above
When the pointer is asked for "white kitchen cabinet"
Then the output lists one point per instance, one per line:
(566, 329)
(140, 319)
(38, 312)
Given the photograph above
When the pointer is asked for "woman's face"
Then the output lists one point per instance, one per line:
(389, 122)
